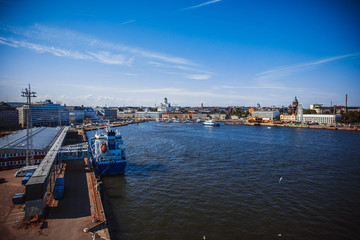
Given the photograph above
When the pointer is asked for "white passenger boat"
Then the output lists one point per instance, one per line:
(211, 123)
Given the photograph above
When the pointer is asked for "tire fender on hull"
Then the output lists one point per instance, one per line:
(103, 147)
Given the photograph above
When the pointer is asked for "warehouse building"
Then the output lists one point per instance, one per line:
(13, 147)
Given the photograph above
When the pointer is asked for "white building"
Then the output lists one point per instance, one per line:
(165, 107)
(288, 118)
(152, 115)
(322, 118)
(266, 115)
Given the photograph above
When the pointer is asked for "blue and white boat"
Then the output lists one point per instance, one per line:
(108, 152)
(211, 123)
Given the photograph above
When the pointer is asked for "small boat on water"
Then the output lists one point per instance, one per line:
(176, 120)
(108, 152)
(211, 123)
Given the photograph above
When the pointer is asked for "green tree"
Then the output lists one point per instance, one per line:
(351, 117)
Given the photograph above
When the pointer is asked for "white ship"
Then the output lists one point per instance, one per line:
(211, 123)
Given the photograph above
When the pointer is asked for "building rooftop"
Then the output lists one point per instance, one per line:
(42, 138)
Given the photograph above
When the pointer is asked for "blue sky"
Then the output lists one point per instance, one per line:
(216, 52)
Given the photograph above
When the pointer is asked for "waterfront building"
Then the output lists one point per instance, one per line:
(265, 115)
(202, 116)
(110, 113)
(76, 115)
(44, 114)
(89, 113)
(105, 112)
(148, 115)
(13, 147)
(176, 115)
(165, 107)
(9, 116)
(218, 116)
(322, 118)
(317, 107)
(99, 112)
(288, 118)
(125, 115)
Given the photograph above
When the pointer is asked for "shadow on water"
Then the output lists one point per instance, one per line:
(114, 190)
(145, 170)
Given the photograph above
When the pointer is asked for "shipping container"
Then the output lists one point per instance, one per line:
(25, 180)
(59, 188)
(29, 174)
(18, 198)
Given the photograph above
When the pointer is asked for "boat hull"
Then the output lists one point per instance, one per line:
(112, 168)
(212, 125)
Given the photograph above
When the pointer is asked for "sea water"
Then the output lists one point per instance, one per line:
(188, 181)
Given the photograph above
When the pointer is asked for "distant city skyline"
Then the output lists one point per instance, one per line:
(219, 52)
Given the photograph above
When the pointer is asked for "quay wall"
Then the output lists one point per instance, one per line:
(328, 127)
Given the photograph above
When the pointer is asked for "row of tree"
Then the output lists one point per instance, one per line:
(239, 113)
(350, 117)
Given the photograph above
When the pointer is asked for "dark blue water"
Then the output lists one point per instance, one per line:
(187, 181)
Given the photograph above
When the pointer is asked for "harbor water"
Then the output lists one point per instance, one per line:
(187, 181)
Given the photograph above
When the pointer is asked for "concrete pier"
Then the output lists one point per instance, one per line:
(67, 218)
(79, 214)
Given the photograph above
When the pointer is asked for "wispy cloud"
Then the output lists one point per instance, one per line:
(107, 58)
(68, 43)
(192, 73)
(281, 72)
(101, 57)
(127, 22)
(68, 39)
(201, 5)
(42, 48)
(60, 35)
(250, 87)
(198, 76)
